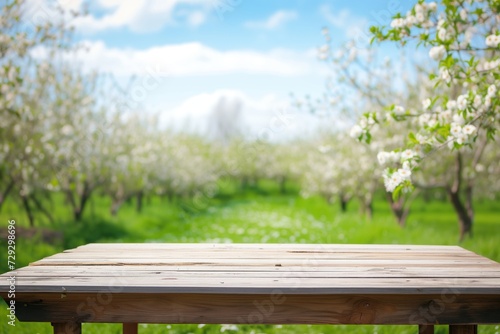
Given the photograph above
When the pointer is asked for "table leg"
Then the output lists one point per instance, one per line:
(67, 328)
(426, 329)
(130, 328)
(463, 329)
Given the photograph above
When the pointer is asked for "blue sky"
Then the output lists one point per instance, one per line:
(251, 54)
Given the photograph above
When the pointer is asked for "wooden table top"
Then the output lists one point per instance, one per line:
(258, 284)
(260, 269)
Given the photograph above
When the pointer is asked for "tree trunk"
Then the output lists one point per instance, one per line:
(28, 210)
(469, 201)
(399, 210)
(343, 203)
(464, 220)
(139, 197)
(40, 207)
(368, 205)
(115, 206)
(282, 183)
(84, 196)
(463, 214)
(6, 192)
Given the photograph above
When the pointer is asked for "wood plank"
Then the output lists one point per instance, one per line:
(265, 255)
(259, 285)
(257, 262)
(274, 272)
(276, 267)
(275, 308)
(291, 248)
(267, 246)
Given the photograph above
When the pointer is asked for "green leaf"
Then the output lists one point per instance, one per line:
(412, 138)
(368, 138)
(397, 192)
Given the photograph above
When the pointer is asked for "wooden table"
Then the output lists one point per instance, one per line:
(259, 284)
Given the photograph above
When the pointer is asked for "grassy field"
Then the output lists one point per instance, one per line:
(258, 215)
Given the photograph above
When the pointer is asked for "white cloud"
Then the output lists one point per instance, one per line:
(143, 15)
(193, 59)
(274, 21)
(196, 18)
(354, 27)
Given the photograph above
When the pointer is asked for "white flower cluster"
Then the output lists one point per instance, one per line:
(443, 33)
(460, 135)
(395, 178)
(365, 123)
(399, 110)
(485, 65)
(437, 52)
(444, 74)
(492, 41)
(388, 157)
(419, 18)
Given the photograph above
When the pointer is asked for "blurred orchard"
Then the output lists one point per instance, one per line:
(415, 129)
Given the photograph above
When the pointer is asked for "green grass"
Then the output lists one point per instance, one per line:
(259, 215)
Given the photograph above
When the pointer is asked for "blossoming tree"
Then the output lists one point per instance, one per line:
(364, 86)
(463, 38)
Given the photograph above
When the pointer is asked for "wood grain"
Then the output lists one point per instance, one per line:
(275, 308)
(67, 328)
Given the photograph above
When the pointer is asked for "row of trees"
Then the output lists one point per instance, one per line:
(82, 153)
(65, 131)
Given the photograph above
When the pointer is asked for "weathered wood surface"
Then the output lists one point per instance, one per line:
(254, 283)
(273, 308)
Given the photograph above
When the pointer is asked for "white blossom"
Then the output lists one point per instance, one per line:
(392, 181)
(444, 74)
(398, 23)
(437, 52)
(404, 173)
(426, 103)
(458, 119)
(492, 41)
(462, 102)
(399, 110)
(356, 131)
(443, 34)
(382, 157)
(477, 101)
(451, 104)
(463, 14)
(492, 90)
(461, 138)
(456, 131)
(406, 165)
(469, 129)
(408, 154)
